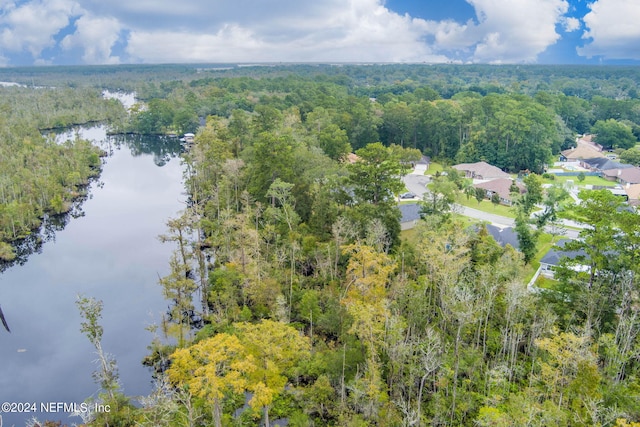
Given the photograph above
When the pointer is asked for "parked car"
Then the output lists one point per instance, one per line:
(408, 195)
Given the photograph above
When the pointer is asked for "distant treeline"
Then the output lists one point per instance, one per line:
(512, 117)
(447, 79)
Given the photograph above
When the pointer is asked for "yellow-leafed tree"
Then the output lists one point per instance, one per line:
(365, 298)
(213, 368)
(276, 349)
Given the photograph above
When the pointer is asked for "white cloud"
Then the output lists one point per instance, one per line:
(229, 44)
(96, 36)
(571, 24)
(290, 30)
(613, 30)
(32, 26)
(359, 30)
(506, 31)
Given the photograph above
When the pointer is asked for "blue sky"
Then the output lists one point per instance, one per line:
(60, 32)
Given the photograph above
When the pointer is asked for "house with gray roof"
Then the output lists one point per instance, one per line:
(504, 236)
(601, 164)
(551, 260)
(410, 215)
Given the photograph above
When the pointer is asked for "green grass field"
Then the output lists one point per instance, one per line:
(434, 168)
(485, 206)
(546, 283)
(588, 180)
(545, 242)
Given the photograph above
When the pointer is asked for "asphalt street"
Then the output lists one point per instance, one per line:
(417, 184)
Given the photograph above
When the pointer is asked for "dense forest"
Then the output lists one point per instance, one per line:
(510, 117)
(39, 176)
(295, 296)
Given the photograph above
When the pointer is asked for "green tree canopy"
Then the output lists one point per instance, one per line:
(611, 133)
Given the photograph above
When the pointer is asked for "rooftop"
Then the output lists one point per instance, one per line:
(501, 186)
(481, 170)
(633, 191)
(556, 253)
(582, 151)
(410, 212)
(504, 236)
(603, 164)
(627, 175)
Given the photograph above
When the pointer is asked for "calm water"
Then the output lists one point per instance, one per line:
(111, 253)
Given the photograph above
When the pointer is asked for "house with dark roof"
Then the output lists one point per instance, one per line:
(551, 260)
(502, 187)
(481, 171)
(410, 215)
(504, 236)
(601, 164)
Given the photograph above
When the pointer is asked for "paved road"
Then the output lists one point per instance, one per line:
(417, 184)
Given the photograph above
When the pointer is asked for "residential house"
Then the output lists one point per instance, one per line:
(588, 139)
(351, 158)
(481, 171)
(502, 187)
(601, 164)
(585, 148)
(633, 194)
(580, 152)
(504, 236)
(624, 175)
(410, 215)
(551, 260)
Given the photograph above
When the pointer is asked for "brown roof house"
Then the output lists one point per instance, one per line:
(351, 158)
(589, 139)
(633, 193)
(580, 152)
(624, 176)
(502, 187)
(481, 170)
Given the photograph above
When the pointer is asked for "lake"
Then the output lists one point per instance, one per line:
(109, 251)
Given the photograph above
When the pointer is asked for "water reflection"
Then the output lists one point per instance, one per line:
(111, 252)
(34, 242)
(162, 148)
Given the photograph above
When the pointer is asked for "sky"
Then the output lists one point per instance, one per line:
(74, 32)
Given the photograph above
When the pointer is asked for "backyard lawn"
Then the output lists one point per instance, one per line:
(588, 180)
(545, 242)
(485, 206)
